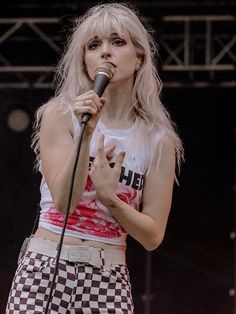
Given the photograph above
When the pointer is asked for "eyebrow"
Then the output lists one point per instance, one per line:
(111, 35)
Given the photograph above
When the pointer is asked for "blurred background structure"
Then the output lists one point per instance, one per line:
(193, 272)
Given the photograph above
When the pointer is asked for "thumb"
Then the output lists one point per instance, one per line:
(103, 100)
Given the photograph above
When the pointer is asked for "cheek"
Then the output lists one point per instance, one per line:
(131, 59)
(89, 66)
(130, 64)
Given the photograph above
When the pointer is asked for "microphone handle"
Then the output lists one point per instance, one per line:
(100, 83)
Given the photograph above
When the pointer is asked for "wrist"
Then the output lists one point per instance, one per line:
(111, 202)
(88, 132)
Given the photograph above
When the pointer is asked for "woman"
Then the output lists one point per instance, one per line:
(127, 157)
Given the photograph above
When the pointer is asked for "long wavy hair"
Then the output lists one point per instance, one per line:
(71, 78)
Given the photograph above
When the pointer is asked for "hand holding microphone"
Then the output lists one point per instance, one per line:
(89, 104)
(103, 75)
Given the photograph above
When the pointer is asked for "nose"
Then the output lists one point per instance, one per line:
(105, 51)
(105, 55)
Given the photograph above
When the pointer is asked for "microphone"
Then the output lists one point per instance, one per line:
(102, 77)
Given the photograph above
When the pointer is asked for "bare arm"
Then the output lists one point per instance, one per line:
(58, 150)
(147, 227)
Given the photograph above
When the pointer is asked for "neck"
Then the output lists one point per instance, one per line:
(118, 107)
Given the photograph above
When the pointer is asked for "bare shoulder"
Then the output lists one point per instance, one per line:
(56, 114)
(168, 144)
(55, 139)
(164, 147)
(55, 109)
(163, 160)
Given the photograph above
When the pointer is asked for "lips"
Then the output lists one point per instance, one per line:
(111, 64)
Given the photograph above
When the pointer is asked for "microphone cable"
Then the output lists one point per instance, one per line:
(59, 247)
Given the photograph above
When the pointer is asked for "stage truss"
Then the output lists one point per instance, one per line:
(194, 51)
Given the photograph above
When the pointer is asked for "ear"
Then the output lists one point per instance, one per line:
(138, 64)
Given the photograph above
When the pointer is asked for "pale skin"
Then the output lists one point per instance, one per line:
(58, 150)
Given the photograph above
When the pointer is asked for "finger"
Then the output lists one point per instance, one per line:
(89, 93)
(109, 150)
(103, 100)
(86, 106)
(100, 158)
(100, 149)
(119, 160)
(80, 110)
(109, 156)
(86, 102)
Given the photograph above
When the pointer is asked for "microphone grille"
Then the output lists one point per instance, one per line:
(106, 69)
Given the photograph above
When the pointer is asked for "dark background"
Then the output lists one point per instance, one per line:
(193, 270)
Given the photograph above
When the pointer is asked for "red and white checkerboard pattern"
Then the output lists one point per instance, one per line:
(79, 288)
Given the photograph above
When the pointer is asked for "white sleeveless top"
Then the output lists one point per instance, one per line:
(90, 219)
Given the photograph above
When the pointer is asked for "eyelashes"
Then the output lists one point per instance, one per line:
(119, 42)
(93, 45)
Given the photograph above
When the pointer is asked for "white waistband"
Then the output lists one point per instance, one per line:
(96, 257)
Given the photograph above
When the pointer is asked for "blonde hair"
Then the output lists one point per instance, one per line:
(72, 80)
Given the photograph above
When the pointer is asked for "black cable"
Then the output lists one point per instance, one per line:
(83, 125)
(103, 75)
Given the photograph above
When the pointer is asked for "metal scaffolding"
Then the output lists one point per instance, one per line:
(201, 48)
(20, 69)
(195, 51)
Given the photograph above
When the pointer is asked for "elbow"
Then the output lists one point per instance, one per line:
(61, 201)
(58, 202)
(59, 207)
(153, 243)
(62, 207)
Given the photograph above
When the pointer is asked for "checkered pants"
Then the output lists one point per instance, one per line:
(79, 288)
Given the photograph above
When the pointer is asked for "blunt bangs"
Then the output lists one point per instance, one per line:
(103, 25)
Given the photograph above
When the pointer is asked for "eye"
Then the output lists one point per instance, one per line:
(93, 45)
(119, 42)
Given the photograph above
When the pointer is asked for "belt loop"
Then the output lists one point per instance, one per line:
(107, 260)
(102, 256)
(103, 260)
